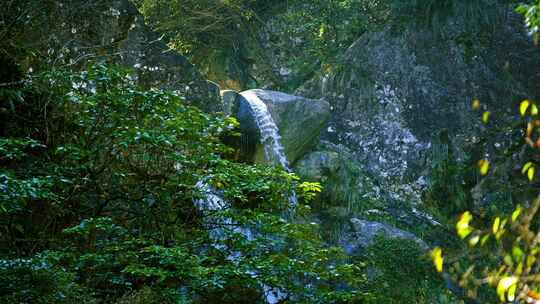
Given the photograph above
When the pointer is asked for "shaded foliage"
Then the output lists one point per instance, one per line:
(216, 35)
(99, 179)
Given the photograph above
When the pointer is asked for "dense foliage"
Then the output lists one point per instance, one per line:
(531, 12)
(99, 180)
(216, 35)
(310, 37)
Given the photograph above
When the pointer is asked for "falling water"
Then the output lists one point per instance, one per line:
(213, 201)
(270, 138)
(269, 135)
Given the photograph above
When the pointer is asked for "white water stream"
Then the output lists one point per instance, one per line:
(275, 154)
(269, 135)
(269, 132)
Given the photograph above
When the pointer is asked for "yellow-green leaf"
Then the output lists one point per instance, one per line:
(474, 240)
(462, 226)
(517, 254)
(508, 260)
(523, 106)
(531, 259)
(437, 258)
(526, 167)
(534, 110)
(485, 238)
(496, 224)
(483, 165)
(506, 285)
(503, 223)
(485, 116)
(322, 30)
(512, 292)
(516, 213)
(519, 268)
(476, 104)
(530, 174)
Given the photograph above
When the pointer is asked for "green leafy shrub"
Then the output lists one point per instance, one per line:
(110, 196)
(399, 272)
(35, 280)
(531, 12)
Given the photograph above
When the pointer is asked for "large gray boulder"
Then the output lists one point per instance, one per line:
(396, 92)
(363, 233)
(299, 120)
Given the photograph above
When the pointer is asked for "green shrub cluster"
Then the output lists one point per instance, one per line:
(400, 273)
(99, 180)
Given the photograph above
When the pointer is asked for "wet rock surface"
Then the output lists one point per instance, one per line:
(300, 121)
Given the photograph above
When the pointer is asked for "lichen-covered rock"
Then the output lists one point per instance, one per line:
(318, 166)
(299, 120)
(344, 182)
(393, 94)
(363, 233)
(228, 98)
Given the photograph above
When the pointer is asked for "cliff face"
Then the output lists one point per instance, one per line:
(399, 92)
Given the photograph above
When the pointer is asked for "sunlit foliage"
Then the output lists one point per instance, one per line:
(504, 254)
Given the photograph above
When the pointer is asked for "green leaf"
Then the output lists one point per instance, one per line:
(462, 226)
(506, 288)
(523, 106)
(437, 258)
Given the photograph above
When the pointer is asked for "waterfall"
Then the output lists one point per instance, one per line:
(269, 135)
(213, 200)
(269, 132)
